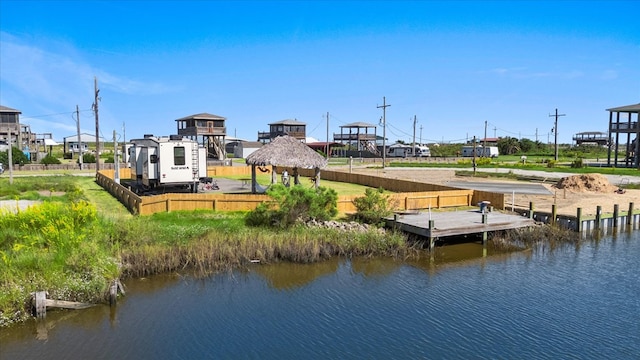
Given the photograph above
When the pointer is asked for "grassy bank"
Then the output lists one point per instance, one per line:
(78, 239)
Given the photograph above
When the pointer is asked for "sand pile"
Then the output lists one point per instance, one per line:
(587, 182)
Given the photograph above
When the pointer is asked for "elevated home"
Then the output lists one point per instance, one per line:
(293, 128)
(208, 130)
(11, 129)
(591, 138)
(360, 139)
(623, 121)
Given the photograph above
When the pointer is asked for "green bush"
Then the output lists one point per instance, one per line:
(551, 163)
(372, 207)
(88, 158)
(294, 204)
(577, 164)
(17, 157)
(49, 160)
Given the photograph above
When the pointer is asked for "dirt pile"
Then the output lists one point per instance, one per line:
(587, 182)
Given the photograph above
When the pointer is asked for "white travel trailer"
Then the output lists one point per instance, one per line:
(399, 150)
(167, 161)
(489, 151)
(422, 151)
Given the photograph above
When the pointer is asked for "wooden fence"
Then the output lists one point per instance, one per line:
(408, 195)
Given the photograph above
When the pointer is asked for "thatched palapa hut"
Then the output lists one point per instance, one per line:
(285, 151)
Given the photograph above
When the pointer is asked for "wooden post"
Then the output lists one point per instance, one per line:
(554, 212)
(40, 304)
(484, 233)
(431, 239)
(616, 208)
(579, 220)
(113, 294)
(530, 209)
(598, 217)
(317, 175)
(630, 214)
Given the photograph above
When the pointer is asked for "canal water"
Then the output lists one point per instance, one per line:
(571, 302)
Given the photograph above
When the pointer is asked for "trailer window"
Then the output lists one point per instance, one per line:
(178, 155)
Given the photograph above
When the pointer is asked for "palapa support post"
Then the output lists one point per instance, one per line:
(598, 217)
(530, 209)
(317, 177)
(554, 213)
(616, 209)
(630, 215)
(579, 220)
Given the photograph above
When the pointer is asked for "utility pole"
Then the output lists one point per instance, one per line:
(415, 119)
(327, 151)
(11, 156)
(95, 110)
(494, 131)
(536, 134)
(420, 135)
(124, 134)
(555, 132)
(78, 133)
(116, 161)
(384, 130)
(484, 150)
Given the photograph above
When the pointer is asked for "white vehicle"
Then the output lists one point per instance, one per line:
(422, 151)
(1, 169)
(167, 161)
(489, 151)
(399, 150)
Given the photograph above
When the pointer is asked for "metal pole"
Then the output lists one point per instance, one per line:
(79, 142)
(95, 109)
(10, 158)
(384, 130)
(414, 135)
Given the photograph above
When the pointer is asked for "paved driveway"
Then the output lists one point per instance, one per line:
(503, 187)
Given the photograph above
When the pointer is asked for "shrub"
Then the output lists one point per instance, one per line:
(372, 207)
(551, 163)
(294, 204)
(88, 158)
(49, 160)
(577, 164)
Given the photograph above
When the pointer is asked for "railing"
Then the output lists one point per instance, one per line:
(624, 126)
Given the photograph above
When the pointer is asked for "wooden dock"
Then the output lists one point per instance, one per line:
(436, 225)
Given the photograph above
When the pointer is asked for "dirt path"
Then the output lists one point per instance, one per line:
(567, 200)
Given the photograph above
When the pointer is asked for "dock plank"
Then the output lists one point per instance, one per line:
(454, 223)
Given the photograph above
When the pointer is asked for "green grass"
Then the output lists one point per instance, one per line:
(341, 188)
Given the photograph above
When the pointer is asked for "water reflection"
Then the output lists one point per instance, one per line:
(288, 276)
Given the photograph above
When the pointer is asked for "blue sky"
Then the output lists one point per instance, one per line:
(453, 65)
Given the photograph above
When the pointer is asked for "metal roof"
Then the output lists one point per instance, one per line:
(628, 108)
(359, 125)
(288, 122)
(202, 116)
(5, 109)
